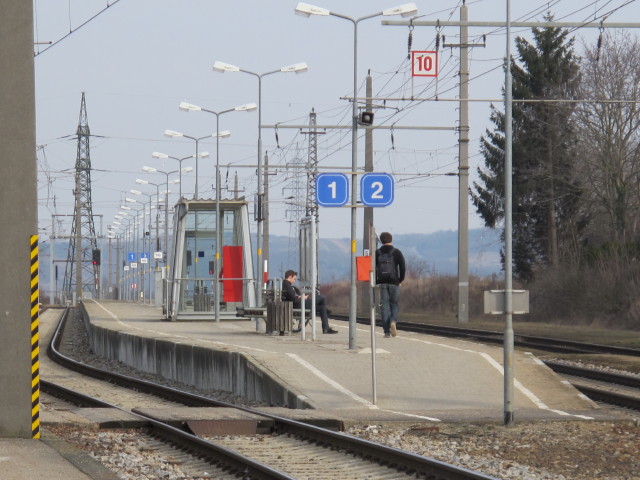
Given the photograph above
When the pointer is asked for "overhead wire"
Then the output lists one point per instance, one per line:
(73, 30)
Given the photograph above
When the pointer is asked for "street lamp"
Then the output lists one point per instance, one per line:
(166, 201)
(180, 160)
(296, 68)
(149, 196)
(174, 134)
(188, 107)
(305, 10)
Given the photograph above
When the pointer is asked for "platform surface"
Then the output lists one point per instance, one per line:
(415, 376)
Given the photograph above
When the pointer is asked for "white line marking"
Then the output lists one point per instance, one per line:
(525, 391)
(173, 335)
(332, 382)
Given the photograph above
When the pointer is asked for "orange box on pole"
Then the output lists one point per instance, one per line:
(363, 268)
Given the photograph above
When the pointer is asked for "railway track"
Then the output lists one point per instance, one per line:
(290, 449)
(489, 336)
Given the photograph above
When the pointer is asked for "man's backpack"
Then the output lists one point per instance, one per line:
(386, 269)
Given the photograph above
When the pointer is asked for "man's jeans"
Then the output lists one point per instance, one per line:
(389, 298)
(321, 309)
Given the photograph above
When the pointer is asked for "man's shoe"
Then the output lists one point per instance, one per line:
(387, 335)
(329, 330)
(394, 332)
(296, 330)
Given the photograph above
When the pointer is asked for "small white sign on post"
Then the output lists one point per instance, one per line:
(144, 260)
(494, 302)
(134, 265)
(157, 255)
(424, 63)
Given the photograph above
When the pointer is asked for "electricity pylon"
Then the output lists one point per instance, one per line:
(82, 269)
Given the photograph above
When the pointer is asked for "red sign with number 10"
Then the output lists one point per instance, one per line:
(424, 64)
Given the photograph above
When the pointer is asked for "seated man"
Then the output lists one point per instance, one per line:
(292, 294)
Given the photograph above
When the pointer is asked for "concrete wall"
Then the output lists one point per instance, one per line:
(201, 367)
(18, 214)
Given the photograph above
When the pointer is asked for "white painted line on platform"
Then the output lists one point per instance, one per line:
(368, 350)
(173, 335)
(349, 393)
(525, 391)
(332, 382)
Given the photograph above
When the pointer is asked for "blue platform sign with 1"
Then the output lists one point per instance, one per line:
(376, 189)
(131, 256)
(332, 189)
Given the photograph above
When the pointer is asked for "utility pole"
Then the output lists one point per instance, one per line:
(367, 243)
(463, 168)
(311, 206)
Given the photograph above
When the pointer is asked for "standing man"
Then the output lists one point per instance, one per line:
(292, 294)
(390, 270)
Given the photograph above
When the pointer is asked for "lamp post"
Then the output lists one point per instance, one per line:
(180, 160)
(137, 234)
(166, 202)
(144, 236)
(150, 196)
(305, 10)
(296, 68)
(174, 134)
(188, 107)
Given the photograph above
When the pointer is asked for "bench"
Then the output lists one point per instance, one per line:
(278, 314)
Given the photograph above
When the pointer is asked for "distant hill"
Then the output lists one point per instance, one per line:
(433, 252)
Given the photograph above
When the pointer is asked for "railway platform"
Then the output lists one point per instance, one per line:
(417, 377)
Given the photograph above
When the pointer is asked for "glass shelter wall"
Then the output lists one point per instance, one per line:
(194, 289)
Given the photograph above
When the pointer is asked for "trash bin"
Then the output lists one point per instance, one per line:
(279, 317)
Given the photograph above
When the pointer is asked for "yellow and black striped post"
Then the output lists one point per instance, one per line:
(35, 349)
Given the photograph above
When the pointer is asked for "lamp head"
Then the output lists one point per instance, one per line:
(297, 68)
(186, 169)
(149, 169)
(222, 134)
(246, 108)
(189, 107)
(204, 154)
(173, 133)
(159, 154)
(225, 67)
(404, 10)
(142, 182)
(130, 200)
(136, 192)
(306, 10)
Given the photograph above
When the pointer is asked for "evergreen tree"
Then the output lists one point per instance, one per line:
(545, 189)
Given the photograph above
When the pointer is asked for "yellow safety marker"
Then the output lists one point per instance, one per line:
(35, 349)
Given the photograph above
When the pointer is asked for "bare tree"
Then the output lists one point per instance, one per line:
(609, 137)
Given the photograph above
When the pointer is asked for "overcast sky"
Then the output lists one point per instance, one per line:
(139, 59)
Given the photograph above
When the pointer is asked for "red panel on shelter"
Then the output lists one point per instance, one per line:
(232, 268)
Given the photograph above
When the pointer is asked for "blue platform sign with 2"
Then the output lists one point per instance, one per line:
(376, 189)
(332, 189)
